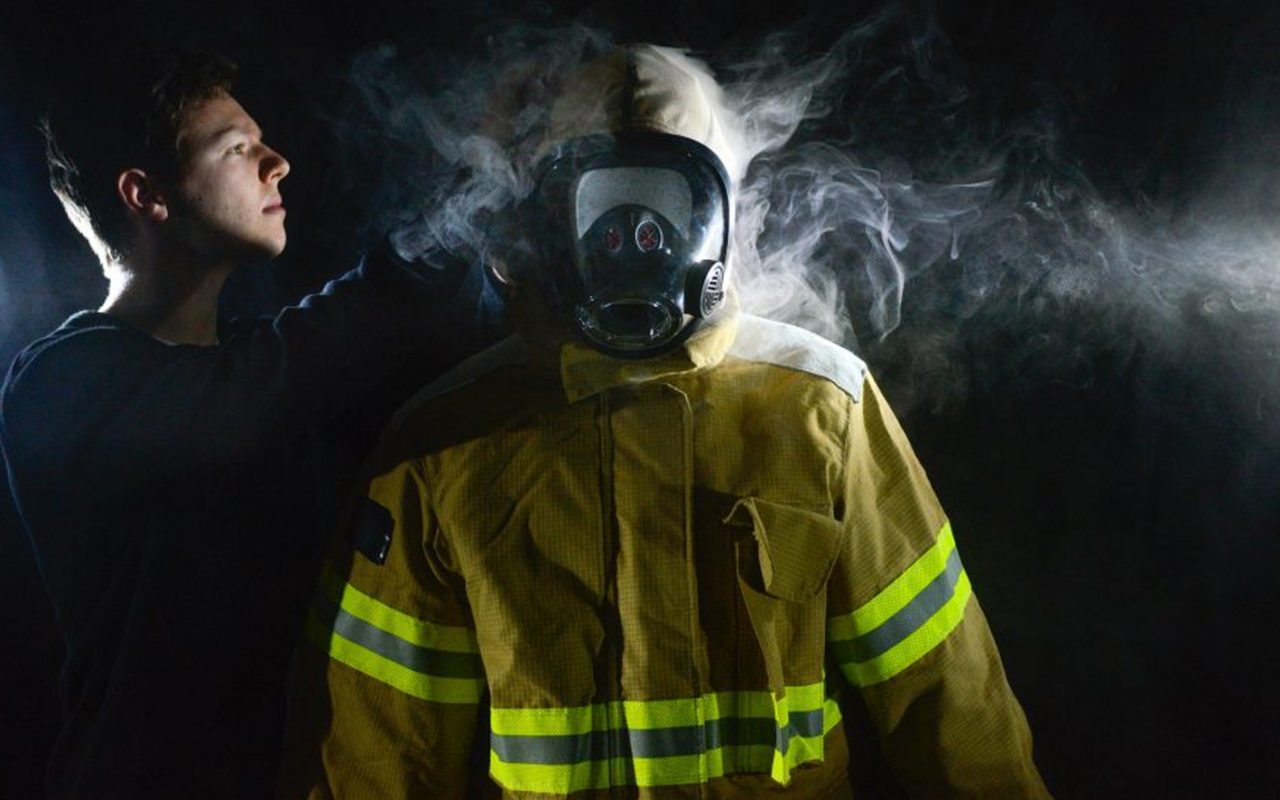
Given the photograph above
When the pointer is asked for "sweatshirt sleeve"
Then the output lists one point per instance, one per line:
(393, 661)
(110, 402)
(906, 630)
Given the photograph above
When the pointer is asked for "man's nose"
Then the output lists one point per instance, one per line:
(273, 166)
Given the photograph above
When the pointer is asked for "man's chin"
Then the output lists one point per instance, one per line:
(258, 252)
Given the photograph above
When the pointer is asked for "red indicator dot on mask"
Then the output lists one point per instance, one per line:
(648, 236)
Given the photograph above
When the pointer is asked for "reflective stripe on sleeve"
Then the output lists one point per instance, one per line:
(907, 619)
(424, 659)
(659, 742)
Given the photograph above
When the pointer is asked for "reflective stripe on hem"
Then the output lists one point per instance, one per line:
(659, 743)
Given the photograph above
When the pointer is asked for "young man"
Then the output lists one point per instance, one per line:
(175, 480)
(658, 548)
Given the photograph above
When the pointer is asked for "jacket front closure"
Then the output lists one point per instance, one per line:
(647, 487)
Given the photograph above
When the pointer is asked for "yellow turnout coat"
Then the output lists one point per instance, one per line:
(681, 577)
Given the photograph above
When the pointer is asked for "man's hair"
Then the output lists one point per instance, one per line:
(129, 118)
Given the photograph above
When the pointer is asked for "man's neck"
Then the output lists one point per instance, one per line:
(176, 306)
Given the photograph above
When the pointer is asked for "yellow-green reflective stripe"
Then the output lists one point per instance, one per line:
(416, 684)
(909, 618)
(645, 714)
(830, 715)
(897, 594)
(404, 626)
(650, 772)
(554, 750)
(423, 659)
(913, 647)
(658, 742)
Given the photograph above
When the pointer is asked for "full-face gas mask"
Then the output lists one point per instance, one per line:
(634, 230)
(626, 230)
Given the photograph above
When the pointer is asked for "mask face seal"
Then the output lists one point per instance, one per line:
(632, 233)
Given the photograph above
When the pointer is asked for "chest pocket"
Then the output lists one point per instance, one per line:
(783, 567)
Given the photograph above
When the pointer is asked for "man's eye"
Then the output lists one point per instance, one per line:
(237, 149)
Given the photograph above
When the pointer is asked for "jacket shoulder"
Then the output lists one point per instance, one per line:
(779, 344)
(509, 352)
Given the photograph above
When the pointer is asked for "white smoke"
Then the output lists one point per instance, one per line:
(893, 198)
(446, 145)
(879, 207)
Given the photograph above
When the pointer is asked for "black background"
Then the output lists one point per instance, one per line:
(1117, 506)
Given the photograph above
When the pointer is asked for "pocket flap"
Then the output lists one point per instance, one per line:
(797, 547)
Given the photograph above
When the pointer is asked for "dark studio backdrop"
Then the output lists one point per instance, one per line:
(1052, 229)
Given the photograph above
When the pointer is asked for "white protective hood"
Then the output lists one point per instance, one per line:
(643, 87)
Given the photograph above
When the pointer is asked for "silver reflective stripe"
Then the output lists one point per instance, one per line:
(659, 742)
(425, 660)
(909, 618)
(565, 749)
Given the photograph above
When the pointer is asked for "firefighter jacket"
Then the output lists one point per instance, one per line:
(657, 579)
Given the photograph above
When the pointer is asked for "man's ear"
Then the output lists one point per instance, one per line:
(141, 195)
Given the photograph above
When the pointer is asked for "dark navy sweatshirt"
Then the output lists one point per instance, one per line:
(178, 498)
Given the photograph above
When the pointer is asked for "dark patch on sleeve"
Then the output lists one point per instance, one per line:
(373, 528)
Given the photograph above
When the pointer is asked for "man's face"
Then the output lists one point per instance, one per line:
(228, 204)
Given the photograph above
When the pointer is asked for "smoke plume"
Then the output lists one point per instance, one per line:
(882, 202)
